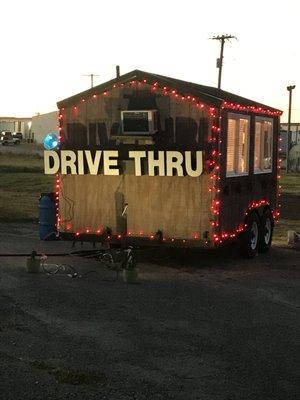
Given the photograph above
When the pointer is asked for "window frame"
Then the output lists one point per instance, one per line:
(259, 118)
(237, 116)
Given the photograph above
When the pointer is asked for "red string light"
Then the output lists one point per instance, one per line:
(219, 237)
(213, 162)
(56, 200)
(253, 109)
(276, 212)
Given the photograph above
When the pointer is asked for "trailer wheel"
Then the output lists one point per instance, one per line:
(249, 240)
(266, 232)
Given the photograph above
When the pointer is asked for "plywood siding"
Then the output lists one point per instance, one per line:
(178, 206)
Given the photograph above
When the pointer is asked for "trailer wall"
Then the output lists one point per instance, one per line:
(177, 206)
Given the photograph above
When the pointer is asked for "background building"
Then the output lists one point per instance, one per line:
(295, 134)
(42, 124)
(294, 155)
(15, 124)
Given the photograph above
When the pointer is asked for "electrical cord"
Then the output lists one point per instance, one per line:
(55, 233)
(53, 269)
(70, 203)
(69, 270)
(114, 261)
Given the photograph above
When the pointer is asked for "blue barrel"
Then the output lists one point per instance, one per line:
(47, 217)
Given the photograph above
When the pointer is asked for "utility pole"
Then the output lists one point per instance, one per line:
(222, 39)
(92, 79)
(288, 138)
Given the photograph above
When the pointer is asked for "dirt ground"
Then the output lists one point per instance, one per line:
(199, 325)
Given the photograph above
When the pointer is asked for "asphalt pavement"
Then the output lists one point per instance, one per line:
(198, 325)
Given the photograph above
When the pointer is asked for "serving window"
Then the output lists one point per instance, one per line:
(237, 160)
(263, 147)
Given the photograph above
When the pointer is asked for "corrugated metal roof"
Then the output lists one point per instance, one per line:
(209, 94)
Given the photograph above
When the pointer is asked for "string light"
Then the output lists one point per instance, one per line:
(56, 200)
(219, 237)
(213, 162)
(253, 109)
(276, 212)
(214, 166)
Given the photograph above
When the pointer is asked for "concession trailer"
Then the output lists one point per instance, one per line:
(148, 159)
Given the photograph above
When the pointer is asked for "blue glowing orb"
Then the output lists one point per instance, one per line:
(50, 141)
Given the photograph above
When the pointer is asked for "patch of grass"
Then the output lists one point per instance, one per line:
(9, 169)
(15, 160)
(281, 229)
(26, 182)
(290, 183)
(16, 206)
(22, 180)
(290, 201)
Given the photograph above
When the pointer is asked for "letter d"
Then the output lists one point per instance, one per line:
(47, 169)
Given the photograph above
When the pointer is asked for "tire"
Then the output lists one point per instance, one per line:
(266, 232)
(250, 238)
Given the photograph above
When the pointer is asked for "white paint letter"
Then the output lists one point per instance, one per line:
(109, 162)
(80, 164)
(68, 160)
(174, 161)
(152, 163)
(93, 165)
(47, 169)
(188, 164)
(137, 155)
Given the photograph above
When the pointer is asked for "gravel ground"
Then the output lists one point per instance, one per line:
(199, 325)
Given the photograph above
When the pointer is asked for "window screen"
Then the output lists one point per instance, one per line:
(231, 145)
(243, 146)
(263, 146)
(237, 162)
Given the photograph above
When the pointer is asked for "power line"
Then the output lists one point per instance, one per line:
(222, 39)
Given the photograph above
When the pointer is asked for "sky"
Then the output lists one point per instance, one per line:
(47, 46)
